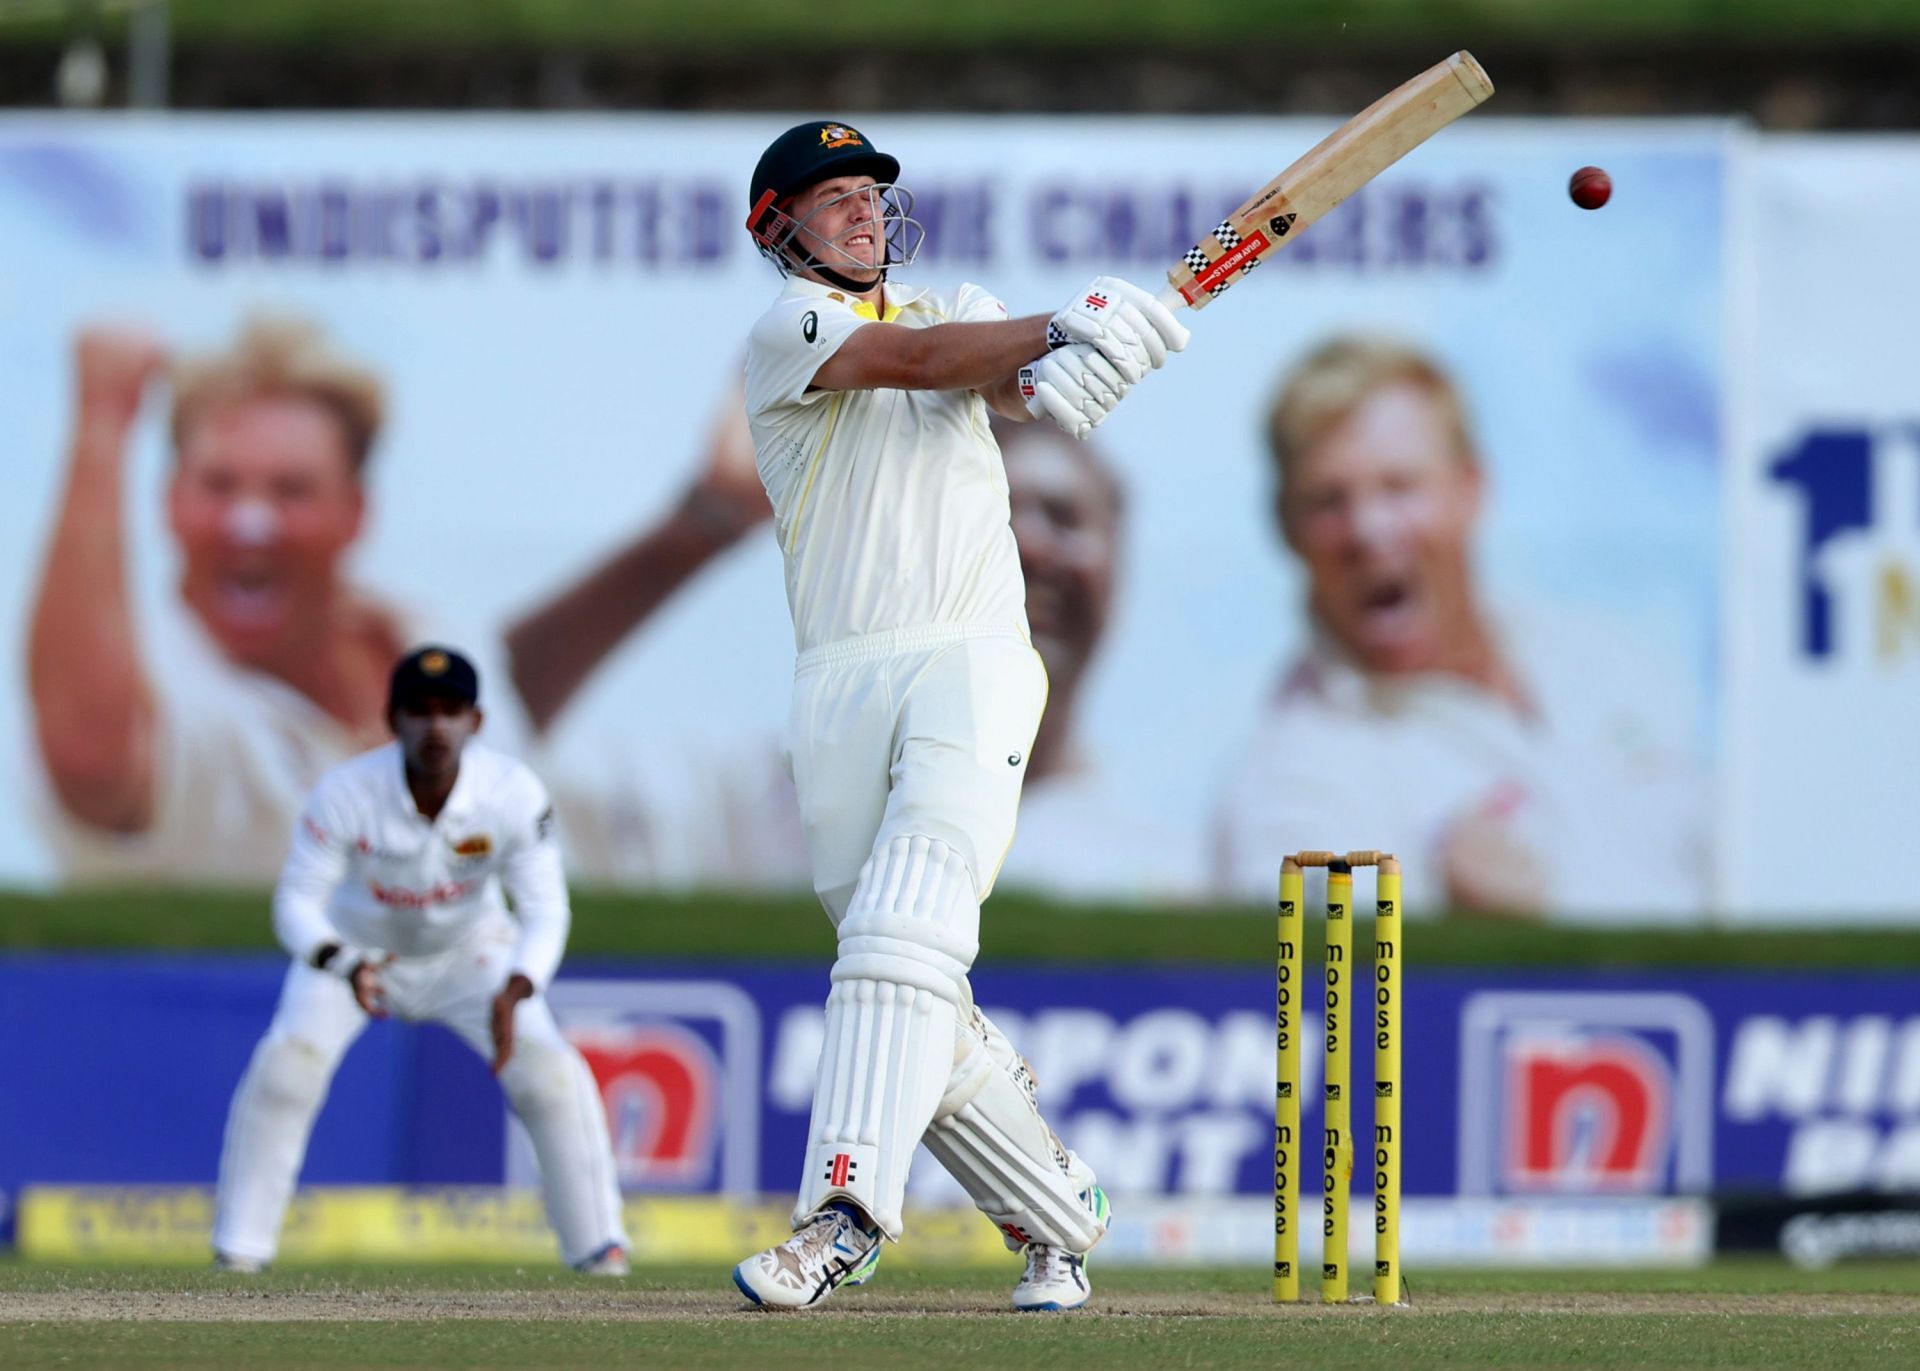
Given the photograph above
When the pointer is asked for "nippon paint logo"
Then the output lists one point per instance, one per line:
(1588, 1093)
(1846, 1088)
(1858, 531)
(677, 1064)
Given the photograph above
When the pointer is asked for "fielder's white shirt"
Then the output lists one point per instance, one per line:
(890, 505)
(366, 868)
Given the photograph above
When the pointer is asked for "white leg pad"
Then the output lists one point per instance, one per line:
(267, 1127)
(899, 990)
(987, 1131)
(554, 1095)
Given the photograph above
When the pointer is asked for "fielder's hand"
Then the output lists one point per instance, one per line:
(1130, 326)
(517, 988)
(1076, 387)
(368, 991)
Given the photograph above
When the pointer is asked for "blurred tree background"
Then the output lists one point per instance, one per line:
(1785, 64)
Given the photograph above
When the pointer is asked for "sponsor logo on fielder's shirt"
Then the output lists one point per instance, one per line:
(398, 897)
(479, 845)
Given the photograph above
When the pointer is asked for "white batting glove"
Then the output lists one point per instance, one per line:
(1130, 326)
(1075, 386)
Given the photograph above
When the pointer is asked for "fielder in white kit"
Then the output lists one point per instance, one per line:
(391, 903)
(917, 695)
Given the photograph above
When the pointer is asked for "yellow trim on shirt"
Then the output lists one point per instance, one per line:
(865, 309)
(813, 468)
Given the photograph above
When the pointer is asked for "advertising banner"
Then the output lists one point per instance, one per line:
(1517, 1087)
(1823, 583)
(288, 394)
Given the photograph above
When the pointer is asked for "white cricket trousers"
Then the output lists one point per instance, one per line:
(546, 1083)
(909, 749)
(920, 732)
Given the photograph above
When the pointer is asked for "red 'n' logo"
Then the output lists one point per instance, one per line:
(660, 1085)
(1587, 1112)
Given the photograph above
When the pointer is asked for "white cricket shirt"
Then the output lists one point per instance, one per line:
(367, 869)
(890, 505)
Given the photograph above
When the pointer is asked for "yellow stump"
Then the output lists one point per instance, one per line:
(1338, 1161)
(1387, 951)
(1286, 1090)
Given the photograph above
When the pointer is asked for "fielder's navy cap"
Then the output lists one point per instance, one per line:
(432, 672)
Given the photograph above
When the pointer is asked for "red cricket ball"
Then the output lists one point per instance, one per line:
(1590, 187)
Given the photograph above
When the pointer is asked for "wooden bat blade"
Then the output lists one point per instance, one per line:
(1337, 166)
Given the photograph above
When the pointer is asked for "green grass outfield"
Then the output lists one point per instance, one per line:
(1748, 1314)
(1071, 24)
(1015, 928)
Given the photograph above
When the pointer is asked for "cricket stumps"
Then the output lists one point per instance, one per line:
(1355, 995)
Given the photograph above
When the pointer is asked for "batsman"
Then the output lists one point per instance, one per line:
(917, 694)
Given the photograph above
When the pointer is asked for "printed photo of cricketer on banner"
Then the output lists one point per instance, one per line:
(286, 393)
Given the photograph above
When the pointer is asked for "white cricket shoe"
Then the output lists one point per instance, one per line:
(610, 1260)
(836, 1248)
(1055, 1279)
(239, 1266)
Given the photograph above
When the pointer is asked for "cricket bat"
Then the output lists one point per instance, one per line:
(1341, 163)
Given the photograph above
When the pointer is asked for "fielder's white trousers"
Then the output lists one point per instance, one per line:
(546, 1083)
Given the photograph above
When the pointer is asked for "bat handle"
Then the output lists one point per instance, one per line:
(1172, 298)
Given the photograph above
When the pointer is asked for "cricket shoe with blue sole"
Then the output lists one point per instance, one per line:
(837, 1247)
(1055, 1279)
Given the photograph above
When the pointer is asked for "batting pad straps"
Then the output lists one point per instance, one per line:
(914, 921)
(988, 1133)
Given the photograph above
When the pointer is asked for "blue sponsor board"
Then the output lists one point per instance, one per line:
(119, 1070)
